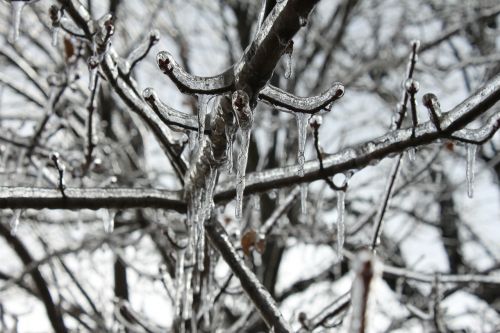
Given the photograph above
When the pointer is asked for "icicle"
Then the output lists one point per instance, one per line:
(55, 17)
(340, 223)
(302, 133)
(469, 172)
(241, 170)
(16, 11)
(14, 221)
(55, 35)
(302, 21)
(289, 60)
(240, 103)
(192, 139)
(187, 297)
(200, 248)
(289, 65)
(303, 199)
(93, 64)
(109, 221)
(412, 154)
(179, 281)
(230, 132)
(202, 113)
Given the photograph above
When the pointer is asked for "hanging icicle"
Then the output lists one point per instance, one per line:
(230, 133)
(109, 221)
(187, 297)
(244, 116)
(55, 17)
(303, 199)
(179, 281)
(289, 60)
(14, 221)
(302, 134)
(192, 136)
(412, 154)
(93, 63)
(202, 113)
(469, 172)
(16, 11)
(340, 223)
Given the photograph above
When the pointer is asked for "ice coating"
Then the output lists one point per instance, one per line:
(179, 281)
(202, 113)
(109, 221)
(14, 222)
(241, 170)
(469, 172)
(340, 223)
(16, 11)
(302, 135)
(278, 97)
(192, 84)
(244, 117)
(289, 65)
(303, 198)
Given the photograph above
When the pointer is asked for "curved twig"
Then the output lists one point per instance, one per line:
(480, 135)
(192, 84)
(313, 104)
(173, 118)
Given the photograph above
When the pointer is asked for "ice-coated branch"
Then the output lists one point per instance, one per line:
(443, 278)
(257, 64)
(137, 105)
(290, 102)
(411, 88)
(431, 102)
(367, 270)
(89, 198)
(125, 89)
(480, 135)
(21, 90)
(192, 84)
(357, 157)
(53, 310)
(278, 212)
(60, 169)
(141, 51)
(259, 295)
(173, 118)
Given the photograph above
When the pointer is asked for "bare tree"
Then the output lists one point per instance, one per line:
(350, 123)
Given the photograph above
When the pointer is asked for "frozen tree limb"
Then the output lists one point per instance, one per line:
(367, 270)
(191, 84)
(141, 51)
(136, 104)
(125, 89)
(283, 99)
(171, 117)
(76, 198)
(443, 278)
(261, 298)
(348, 159)
(53, 310)
(359, 156)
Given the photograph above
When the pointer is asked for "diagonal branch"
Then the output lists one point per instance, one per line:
(53, 310)
(171, 117)
(261, 298)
